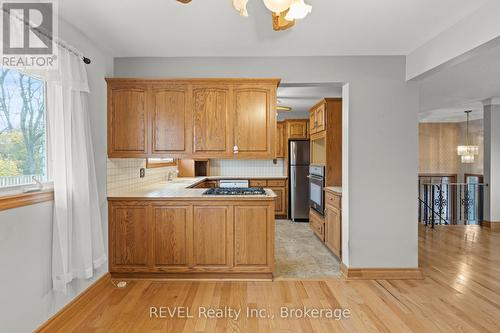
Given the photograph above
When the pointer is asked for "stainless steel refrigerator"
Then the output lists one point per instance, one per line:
(299, 183)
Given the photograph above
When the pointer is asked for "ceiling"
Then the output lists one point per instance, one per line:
(451, 115)
(302, 96)
(167, 28)
(463, 86)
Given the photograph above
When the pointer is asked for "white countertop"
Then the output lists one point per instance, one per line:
(179, 189)
(245, 177)
(334, 189)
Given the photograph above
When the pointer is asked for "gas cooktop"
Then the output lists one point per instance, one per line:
(235, 191)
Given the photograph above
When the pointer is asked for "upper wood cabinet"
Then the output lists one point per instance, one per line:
(127, 120)
(254, 125)
(321, 114)
(211, 119)
(203, 118)
(280, 139)
(317, 118)
(170, 119)
(326, 138)
(297, 129)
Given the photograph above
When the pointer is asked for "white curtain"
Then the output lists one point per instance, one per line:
(78, 246)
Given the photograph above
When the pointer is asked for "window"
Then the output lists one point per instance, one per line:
(23, 152)
(159, 162)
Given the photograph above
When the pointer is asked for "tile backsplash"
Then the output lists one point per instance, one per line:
(247, 168)
(123, 174)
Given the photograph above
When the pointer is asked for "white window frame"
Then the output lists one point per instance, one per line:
(48, 183)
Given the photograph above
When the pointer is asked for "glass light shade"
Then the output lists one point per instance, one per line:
(467, 158)
(467, 150)
(277, 6)
(298, 10)
(241, 7)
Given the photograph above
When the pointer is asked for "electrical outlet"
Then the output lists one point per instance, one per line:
(142, 172)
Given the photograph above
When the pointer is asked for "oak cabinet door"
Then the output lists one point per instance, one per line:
(312, 122)
(172, 236)
(252, 233)
(129, 236)
(127, 121)
(210, 120)
(280, 207)
(170, 126)
(254, 122)
(320, 118)
(333, 230)
(280, 140)
(212, 237)
(297, 129)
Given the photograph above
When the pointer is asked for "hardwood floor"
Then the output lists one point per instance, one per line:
(460, 293)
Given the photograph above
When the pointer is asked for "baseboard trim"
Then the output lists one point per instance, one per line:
(493, 225)
(381, 273)
(208, 276)
(57, 321)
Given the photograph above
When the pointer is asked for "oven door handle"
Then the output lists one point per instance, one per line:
(314, 177)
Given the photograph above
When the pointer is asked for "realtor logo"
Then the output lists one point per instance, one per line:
(28, 33)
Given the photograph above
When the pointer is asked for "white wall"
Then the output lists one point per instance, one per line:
(457, 43)
(492, 162)
(382, 139)
(27, 299)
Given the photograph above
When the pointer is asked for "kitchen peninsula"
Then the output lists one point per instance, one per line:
(173, 230)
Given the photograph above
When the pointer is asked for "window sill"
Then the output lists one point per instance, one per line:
(25, 199)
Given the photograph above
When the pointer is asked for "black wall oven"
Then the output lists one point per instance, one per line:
(316, 186)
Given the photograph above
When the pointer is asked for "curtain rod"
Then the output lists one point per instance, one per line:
(85, 59)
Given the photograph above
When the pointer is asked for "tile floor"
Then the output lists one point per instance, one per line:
(300, 254)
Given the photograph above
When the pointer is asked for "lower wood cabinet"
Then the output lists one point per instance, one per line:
(329, 227)
(173, 229)
(281, 206)
(131, 249)
(148, 237)
(252, 237)
(317, 224)
(333, 230)
(279, 187)
(212, 241)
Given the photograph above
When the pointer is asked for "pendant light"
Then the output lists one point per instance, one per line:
(468, 151)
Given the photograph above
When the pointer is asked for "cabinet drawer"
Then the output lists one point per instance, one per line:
(317, 224)
(332, 200)
(258, 183)
(276, 183)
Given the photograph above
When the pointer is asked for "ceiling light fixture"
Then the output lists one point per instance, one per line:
(241, 7)
(277, 6)
(298, 10)
(285, 12)
(467, 152)
(280, 108)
